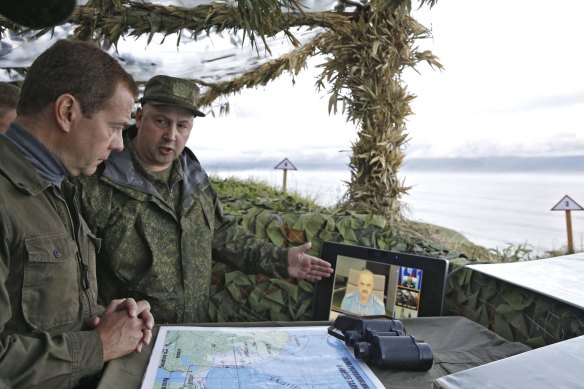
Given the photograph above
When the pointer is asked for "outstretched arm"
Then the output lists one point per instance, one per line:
(304, 266)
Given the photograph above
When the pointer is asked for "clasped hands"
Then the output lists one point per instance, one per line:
(125, 326)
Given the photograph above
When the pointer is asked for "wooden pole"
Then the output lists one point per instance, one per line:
(284, 185)
(569, 228)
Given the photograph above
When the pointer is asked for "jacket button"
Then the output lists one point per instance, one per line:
(57, 253)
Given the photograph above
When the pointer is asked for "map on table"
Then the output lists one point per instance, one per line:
(259, 357)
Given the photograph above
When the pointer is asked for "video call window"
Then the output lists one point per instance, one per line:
(366, 288)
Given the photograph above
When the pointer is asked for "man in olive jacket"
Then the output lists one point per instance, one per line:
(160, 220)
(74, 103)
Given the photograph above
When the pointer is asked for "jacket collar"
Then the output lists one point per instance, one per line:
(121, 169)
(19, 170)
(48, 167)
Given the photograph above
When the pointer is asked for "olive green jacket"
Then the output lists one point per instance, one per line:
(47, 281)
(150, 251)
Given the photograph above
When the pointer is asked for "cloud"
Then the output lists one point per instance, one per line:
(566, 144)
(542, 102)
(516, 89)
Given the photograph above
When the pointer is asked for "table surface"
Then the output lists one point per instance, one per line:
(556, 277)
(457, 344)
(555, 366)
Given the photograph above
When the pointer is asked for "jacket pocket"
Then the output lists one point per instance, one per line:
(50, 289)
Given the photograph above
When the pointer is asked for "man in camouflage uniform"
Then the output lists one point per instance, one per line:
(160, 220)
(74, 103)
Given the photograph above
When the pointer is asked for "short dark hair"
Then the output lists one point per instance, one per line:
(8, 97)
(80, 68)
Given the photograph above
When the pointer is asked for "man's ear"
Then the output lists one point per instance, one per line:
(66, 110)
(139, 116)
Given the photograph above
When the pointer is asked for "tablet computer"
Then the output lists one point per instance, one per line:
(368, 281)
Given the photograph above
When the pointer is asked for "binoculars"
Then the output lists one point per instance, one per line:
(382, 342)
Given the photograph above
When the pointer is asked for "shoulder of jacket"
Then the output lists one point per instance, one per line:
(378, 302)
(18, 170)
(93, 183)
(194, 174)
(190, 162)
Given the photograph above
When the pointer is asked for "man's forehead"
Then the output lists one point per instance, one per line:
(366, 277)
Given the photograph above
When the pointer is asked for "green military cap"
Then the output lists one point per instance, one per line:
(166, 90)
(37, 13)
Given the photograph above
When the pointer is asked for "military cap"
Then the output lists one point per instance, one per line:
(166, 90)
(37, 14)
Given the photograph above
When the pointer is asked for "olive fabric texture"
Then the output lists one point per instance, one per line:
(47, 280)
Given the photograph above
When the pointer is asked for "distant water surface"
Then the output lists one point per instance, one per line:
(490, 209)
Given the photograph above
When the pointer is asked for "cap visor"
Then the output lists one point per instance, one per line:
(194, 110)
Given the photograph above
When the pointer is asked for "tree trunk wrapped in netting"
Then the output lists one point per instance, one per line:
(366, 60)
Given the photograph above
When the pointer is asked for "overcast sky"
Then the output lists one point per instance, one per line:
(512, 85)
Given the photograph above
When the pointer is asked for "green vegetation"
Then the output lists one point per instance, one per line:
(513, 253)
(241, 196)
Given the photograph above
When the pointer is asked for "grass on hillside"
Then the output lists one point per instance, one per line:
(238, 195)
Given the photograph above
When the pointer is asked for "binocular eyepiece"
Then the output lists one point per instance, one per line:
(367, 327)
(383, 342)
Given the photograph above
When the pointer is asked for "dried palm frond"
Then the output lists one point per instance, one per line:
(292, 62)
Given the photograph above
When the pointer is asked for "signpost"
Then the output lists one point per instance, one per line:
(285, 165)
(568, 205)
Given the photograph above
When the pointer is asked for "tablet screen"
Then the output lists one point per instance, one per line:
(364, 288)
(379, 282)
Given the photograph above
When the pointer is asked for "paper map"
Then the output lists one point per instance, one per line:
(260, 357)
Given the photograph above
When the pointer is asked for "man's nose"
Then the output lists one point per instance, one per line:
(170, 133)
(117, 142)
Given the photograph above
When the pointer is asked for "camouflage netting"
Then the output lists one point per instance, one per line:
(240, 297)
(514, 313)
(236, 296)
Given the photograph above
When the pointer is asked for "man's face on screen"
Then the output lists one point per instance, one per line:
(365, 287)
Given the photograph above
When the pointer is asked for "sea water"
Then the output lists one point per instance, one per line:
(491, 209)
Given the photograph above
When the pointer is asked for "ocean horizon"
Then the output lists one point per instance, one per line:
(491, 207)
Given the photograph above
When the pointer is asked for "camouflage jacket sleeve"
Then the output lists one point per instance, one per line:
(235, 246)
(94, 200)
